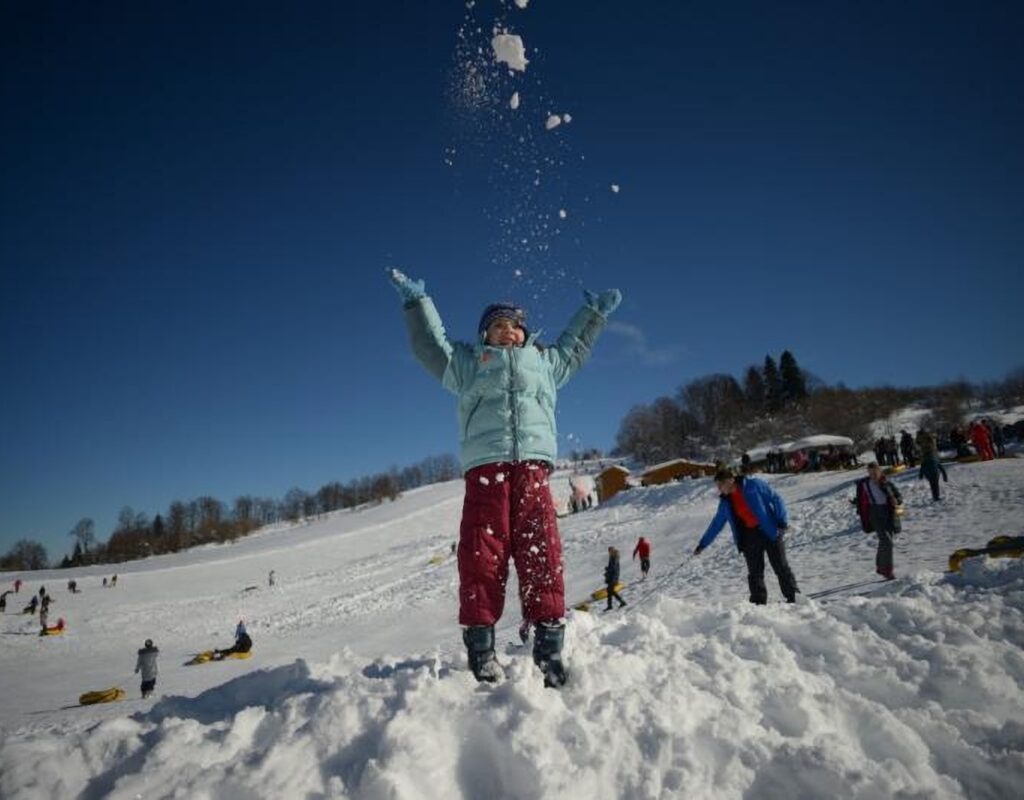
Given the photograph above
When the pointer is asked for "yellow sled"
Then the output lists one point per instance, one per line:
(999, 547)
(54, 631)
(437, 560)
(598, 594)
(602, 594)
(101, 696)
(209, 655)
(896, 470)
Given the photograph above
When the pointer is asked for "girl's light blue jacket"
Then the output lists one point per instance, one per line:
(506, 394)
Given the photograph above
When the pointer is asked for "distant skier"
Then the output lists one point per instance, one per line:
(271, 578)
(758, 519)
(3, 601)
(879, 504)
(17, 586)
(643, 549)
(507, 384)
(113, 581)
(104, 583)
(243, 644)
(33, 604)
(611, 578)
(982, 441)
(931, 467)
(146, 664)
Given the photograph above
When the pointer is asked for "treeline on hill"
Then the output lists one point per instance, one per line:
(718, 416)
(207, 519)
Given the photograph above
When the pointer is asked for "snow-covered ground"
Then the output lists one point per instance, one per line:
(357, 687)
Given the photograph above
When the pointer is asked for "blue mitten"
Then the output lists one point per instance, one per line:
(409, 289)
(604, 303)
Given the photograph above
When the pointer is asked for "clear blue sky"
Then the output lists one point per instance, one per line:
(199, 201)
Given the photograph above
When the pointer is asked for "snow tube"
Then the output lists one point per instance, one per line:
(101, 696)
(601, 594)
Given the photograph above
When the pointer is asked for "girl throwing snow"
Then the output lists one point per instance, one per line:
(506, 384)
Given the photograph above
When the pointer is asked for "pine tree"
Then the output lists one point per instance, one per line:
(772, 385)
(753, 389)
(794, 387)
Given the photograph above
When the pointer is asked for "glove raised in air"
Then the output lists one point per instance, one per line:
(409, 289)
(605, 302)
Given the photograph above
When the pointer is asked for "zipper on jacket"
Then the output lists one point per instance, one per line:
(512, 402)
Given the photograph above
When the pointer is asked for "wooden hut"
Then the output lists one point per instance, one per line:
(674, 470)
(610, 481)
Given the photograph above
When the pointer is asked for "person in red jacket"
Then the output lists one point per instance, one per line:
(643, 549)
(982, 441)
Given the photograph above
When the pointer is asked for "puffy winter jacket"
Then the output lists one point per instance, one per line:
(147, 663)
(506, 394)
(611, 572)
(863, 501)
(762, 499)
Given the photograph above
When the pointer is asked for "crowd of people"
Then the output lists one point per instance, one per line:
(146, 662)
(812, 459)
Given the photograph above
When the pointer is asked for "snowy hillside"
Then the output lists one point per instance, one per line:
(358, 688)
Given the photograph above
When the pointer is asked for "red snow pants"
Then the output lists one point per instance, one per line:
(507, 512)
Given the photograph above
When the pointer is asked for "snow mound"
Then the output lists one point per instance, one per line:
(914, 692)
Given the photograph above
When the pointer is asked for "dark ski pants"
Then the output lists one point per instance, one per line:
(612, 593)
(882, 521)
(755, 545)
(147, 687)
(508, 513)
(933, 482)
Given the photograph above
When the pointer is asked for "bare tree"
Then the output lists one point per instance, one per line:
(25, 554)
(84, 534)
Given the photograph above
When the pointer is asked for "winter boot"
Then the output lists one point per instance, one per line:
(479, 640)
(547, 652)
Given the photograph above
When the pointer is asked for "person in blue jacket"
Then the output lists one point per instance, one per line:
(758, 519)
(506, 383)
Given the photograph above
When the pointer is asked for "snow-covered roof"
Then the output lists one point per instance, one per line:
(616, 467)
(820, 440)
(673, 462)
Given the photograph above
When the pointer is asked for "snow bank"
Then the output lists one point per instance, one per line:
(915, 692)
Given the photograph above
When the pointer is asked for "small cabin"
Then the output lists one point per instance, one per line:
(610, 481)
(674, 470)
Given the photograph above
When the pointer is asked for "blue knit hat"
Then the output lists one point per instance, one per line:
(503, 310)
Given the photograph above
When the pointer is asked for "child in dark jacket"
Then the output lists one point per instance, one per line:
(506, 384)
(146, 664)
(611, 578)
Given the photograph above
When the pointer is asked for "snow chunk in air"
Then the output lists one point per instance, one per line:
(509, 49)
(514, 102)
